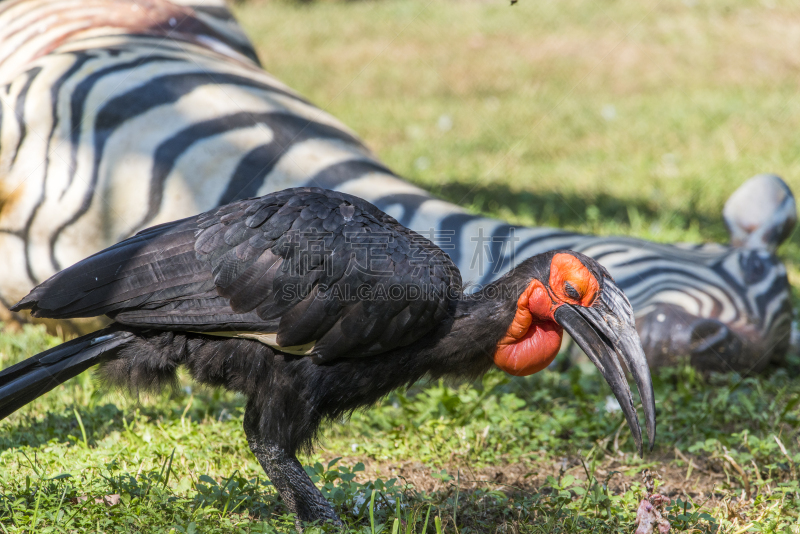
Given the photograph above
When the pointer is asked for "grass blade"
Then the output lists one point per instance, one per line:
(36, 511)
(169, 467)
(427, 516)
(80, 424)
(455, 503)
(372, 512)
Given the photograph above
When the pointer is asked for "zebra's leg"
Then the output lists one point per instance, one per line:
(287, 475)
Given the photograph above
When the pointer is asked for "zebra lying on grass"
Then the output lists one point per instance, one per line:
(118, 115)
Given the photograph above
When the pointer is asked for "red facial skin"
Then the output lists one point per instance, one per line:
(534, 338)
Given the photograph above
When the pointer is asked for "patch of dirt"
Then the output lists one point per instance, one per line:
(703, 482)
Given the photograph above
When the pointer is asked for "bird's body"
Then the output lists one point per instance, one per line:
(314, 304)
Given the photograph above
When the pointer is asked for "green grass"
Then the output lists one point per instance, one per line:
(539, 454)
(612, 117)
(635, 118)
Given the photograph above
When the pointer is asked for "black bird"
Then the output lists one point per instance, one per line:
(313, 304)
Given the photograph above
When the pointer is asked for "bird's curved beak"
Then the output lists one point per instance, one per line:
(606, 331)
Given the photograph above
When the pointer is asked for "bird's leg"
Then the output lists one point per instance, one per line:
(287, 475)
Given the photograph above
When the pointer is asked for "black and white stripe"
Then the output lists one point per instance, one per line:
(124, 114)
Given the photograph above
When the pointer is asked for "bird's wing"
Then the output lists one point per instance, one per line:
(302, 267)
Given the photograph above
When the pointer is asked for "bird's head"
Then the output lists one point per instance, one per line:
(565, 290)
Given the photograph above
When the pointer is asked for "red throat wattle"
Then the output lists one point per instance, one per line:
(534, 338)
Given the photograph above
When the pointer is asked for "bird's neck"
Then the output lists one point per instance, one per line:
(467, 343)
(514, 331)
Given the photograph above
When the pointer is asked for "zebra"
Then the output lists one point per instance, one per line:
(119, 114)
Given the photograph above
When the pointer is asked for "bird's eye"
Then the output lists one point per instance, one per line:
(571, 292)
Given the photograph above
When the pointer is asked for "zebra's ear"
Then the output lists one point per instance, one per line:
(761, 213)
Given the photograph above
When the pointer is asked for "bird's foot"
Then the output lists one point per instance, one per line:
(286, 473)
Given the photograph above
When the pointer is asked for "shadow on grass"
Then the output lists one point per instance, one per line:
(101, 420)
(63, 427)
(586, 213)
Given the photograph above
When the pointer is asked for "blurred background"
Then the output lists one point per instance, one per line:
(635, 118)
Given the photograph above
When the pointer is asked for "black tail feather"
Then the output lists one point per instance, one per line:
(32, 378)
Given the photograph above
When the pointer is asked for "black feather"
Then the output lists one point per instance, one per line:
(32, 378)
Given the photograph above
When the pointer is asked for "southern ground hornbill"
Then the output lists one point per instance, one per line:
(313, 304)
